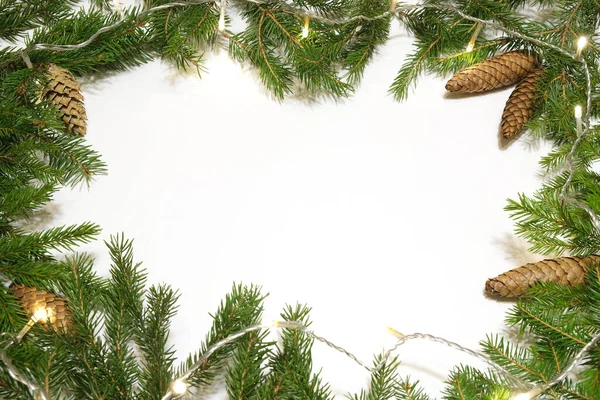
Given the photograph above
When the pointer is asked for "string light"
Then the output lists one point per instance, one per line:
(531, 394)
(436, 339)
(40, 315)
(578, 115)
(471, 44)
(305, 27)
(287, 324)
(221, 26)
(522, 396)
(179, 387)
(393, 4)
(395, 333)
(119, 8)
(581, 43)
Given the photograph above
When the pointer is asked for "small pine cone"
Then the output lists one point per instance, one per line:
(493, 73)
(519, 107)
(563, 270)
(63, 90)
(56, 306)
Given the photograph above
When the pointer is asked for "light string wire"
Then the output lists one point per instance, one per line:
(402, 339)
(229, 339)
(180, 384)
(6, 341)
(393, 11)
(285, 6)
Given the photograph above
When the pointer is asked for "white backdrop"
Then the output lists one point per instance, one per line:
(374, 213)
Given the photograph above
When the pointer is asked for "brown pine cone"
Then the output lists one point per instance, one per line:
(519, 107)
(63, 90)
(493, 73)
(56, 306)
(563, 270)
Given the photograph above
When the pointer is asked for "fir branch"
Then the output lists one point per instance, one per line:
(365, 41)
(291, 374)
(384, 385)
(17, 16)
(465, 383)
(123, 305)
(123, 47)
(244, 375)
(241, 308)
(413, 68)
(152, 339)
(36, 245)
(407, 390)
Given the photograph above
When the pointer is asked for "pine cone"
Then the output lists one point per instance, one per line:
(63, 90)
(563, 270)
(56, 306)
(519, 107)
(493, 73)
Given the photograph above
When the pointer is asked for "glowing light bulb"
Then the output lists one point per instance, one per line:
(578, 112)
(305, 27)
(581, 43)
(531, 394)
(395, 333)
(118, 7)
(471, 44)
(40, 315)
(179, 387)
(393, 5)
(221, 26)
(287, 324)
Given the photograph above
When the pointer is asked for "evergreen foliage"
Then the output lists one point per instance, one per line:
(119, 345)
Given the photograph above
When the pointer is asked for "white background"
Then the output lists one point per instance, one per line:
(375, 213)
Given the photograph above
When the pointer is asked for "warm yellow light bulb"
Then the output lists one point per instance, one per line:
(118, 7)
(221, 26)
(531, 394)
(578, 112)
(581, 43)
(287, 324)
(471, 44)
(40, 315)
(305, 27)
(395, 333)
(179, 387)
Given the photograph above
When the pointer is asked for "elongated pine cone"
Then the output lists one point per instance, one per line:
(63, 90)
(519, 107)
(493, 73)
(563, 270)
(57, 310)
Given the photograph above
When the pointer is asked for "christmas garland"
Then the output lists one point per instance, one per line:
(109, 336)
